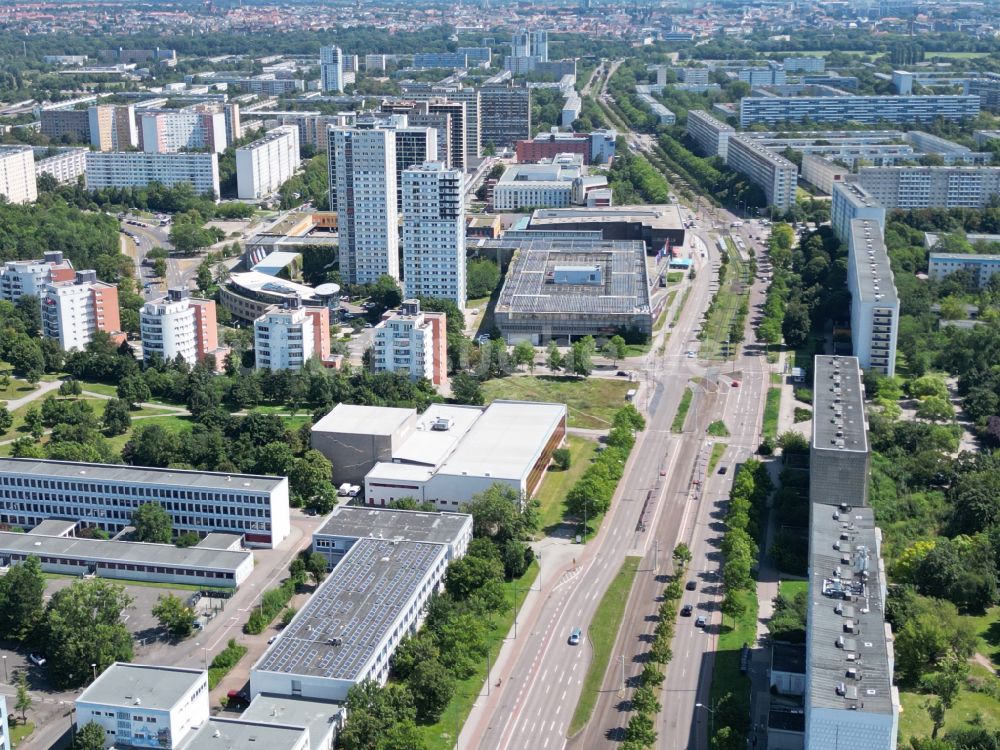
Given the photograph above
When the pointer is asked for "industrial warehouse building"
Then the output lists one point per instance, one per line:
(445, 455)
(563, 289)
(106, 496)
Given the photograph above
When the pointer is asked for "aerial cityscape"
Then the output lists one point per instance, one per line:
(500, 375)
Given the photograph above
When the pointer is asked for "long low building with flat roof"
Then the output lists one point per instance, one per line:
(655, 225)
(349, 629)
(350, 523)
(106, 496)
(133, 561)
(445, 455)
(565, 289)
(982, 266)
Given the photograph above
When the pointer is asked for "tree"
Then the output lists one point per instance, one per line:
(174, 615)
(159, 268)
(6, 419)
(27, 359)
(374, 713)
(152, 524)
(133, 391)
(316, 567)
(524, 354)
(34, 422)
(83, 626)
(466, 389)
(432, 686)
(952, 308)
(582, 356)
(497, 514)
(481, 278)
(70, 387)
(89, 737)
(732, 605)
(562, 458)
(682, 554)
(152, 445)
(553, 358)
(517, 556)
(641, 730)
(413, 650)
(117, 418)
(935, 409)
(615, 348)
(310, 477)
(23, 701)
(386, 294)
(468, 574)
(796, 324)
(22, 600)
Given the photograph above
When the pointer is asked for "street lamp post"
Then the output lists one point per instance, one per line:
(711, 718)
(513, 584)
(94, 668)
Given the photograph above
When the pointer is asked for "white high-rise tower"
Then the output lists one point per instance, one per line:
(331, 67)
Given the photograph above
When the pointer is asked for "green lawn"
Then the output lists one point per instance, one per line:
(791, 588)
(970, 709)
(20, 732)
(725, 307)
(601, 634)
(677, 315)
(771, 408)
(682, 410)
(17, 388)
(987, 628)
(718, 429)
(717, 451)
(592, 402)
(171, 422)
(958, 55)
(726, 675)
(441, 736)
(557, 483)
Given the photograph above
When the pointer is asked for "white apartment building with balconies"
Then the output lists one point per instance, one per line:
(434, 232)
(412, 341)
(170, 131)
(123, 169)
(283, 339)
(17, 174)
(331, 69)
(774, 173)
(73, 311)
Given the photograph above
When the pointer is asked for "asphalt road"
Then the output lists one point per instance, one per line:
(542, 688)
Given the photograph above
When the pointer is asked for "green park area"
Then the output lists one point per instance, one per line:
(592, 402)
(557, 483)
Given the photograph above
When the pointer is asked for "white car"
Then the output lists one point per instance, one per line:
(690, 355)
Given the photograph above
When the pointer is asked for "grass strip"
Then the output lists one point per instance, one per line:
(717, 450)
(660, 321)
(726, 675)
(602, 633)
(771, 409)
(556, 484)
(441, 735)
(682, 410)
(224, 661)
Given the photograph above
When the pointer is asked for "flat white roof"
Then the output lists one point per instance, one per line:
(506, 440)
(140, 685)
(363, 420)
(429, 447)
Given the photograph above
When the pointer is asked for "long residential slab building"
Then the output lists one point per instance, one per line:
(771, 110)
(775, 174)
(874, 302)
(850, 699)
(124, 169)
(106, 496)
(931, 187)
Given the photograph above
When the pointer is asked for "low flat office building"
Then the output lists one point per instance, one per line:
(839, 455)
(547, 184)
(772, 110)
(17, 174)
(225, 734)
(349, 629)
(124, 169)
(556, 289)
(931, 187)
(106, 496)
(144, 706)
(774, 173)
(350, 523)
(850, 201)
(132, 561)
(323, 719)
(711, 134)
(982, 266)
(874, 302)
(656, 226)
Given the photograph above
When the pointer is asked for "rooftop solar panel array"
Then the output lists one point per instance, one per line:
(345, 621)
